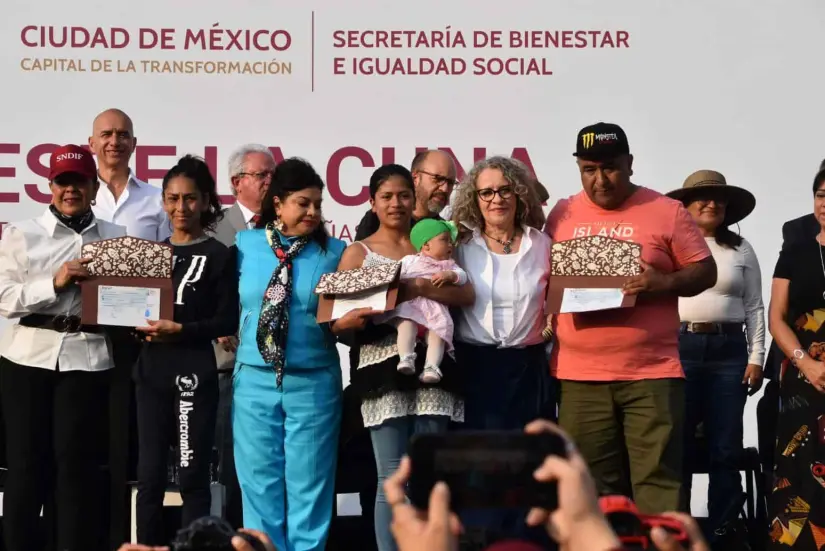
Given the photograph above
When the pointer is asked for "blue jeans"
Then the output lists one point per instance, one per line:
(714, 366)
(389, 442)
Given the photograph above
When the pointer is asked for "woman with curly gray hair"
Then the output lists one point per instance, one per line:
(500, 339)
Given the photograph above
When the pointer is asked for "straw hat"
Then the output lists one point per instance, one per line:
(740, 202)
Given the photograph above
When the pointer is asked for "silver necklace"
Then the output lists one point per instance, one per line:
(821, 261)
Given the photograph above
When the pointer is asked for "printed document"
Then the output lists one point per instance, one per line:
(127, 306)
(590, 300)
(372, 298)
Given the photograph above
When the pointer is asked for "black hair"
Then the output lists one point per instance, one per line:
(292, 175)
(381, 175)
(727, 238)
(542, 192)
(197, 170)
(819, 179)
(385, 172)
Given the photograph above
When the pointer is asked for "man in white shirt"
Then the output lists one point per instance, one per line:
(123, 199)
(250, 172)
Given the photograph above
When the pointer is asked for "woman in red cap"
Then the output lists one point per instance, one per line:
(53, 368)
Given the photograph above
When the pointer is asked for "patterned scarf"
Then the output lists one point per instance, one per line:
(274, 322)
(76, 223)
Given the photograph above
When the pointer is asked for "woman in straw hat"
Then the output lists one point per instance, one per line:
(797, 503)
(722, 339)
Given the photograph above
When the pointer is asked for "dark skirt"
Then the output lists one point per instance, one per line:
(796, 506)
(506, 387)
(376, 380)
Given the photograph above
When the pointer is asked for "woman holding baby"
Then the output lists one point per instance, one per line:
(399, 395)
(501, 338)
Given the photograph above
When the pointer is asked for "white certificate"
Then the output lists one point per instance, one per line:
(374, 298)
(590, 300)
(127, 306)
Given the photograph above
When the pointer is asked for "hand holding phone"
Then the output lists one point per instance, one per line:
(413, 529)
(634, 528)
(484, 469)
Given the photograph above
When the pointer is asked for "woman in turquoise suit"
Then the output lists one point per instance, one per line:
(287, 388)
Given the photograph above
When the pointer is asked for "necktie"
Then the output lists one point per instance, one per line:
(254, 221)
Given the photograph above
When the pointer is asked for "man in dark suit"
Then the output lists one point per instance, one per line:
(767, 410)
(250, 172)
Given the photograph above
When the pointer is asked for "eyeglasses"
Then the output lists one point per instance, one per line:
(487, 194)
(439, 179)
(258, 175)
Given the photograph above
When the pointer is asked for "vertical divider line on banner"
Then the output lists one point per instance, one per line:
(312, 50)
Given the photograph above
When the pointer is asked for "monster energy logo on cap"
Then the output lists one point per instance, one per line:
(601, 141)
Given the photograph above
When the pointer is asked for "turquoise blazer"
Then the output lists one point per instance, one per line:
(309, 345)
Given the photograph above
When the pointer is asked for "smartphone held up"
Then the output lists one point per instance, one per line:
(484, 469)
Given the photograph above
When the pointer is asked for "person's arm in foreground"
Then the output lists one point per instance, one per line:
(665, 542)
(577, 525)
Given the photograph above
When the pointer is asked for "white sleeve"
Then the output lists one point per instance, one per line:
(406, 263)
(164, 227)
(20, 294)
(754, 307)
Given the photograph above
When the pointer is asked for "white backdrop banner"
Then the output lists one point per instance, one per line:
(352, 85)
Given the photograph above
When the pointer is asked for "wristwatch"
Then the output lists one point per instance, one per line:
(798, 354)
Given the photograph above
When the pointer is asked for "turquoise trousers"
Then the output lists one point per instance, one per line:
(286, 446)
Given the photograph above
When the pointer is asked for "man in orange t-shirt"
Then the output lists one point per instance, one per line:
(622, 385)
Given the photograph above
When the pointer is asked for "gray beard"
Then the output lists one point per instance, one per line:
(434, 208)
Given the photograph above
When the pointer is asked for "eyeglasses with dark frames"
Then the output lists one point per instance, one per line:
(488, 194)
(439, 179)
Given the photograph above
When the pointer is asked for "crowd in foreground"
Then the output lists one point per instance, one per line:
(578, 523)
(244, 365)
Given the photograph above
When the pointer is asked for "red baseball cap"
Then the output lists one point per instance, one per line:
(72, 158)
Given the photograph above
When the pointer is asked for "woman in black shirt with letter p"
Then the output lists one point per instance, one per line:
(176, 374)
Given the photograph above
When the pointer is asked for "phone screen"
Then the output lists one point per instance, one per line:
(487, 469)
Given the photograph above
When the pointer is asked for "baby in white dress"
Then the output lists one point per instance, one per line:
(433, 239)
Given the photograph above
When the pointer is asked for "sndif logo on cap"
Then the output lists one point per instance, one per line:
(74, 159)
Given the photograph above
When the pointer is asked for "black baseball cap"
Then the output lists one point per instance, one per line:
(601, 141)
